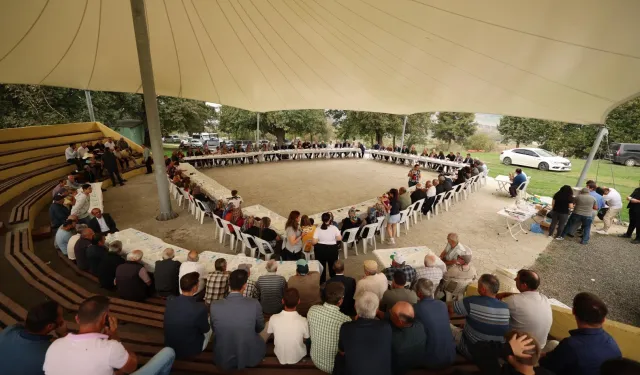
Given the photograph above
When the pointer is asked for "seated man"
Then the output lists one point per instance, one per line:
(71, 154)
(80, 249)
(61, 188)
(365, 343)
(397, 293)
(192, 265)
(102, 223)
(419, 193)
(290, 330)
(453, 250)
(24, 346)
(589, 346)
(408, 339)
(186, 321)
(82, 205)
(217, 282)
(519, 355)
(167, 274)
(58, 213)
(63, 235)
(516, 181)
(398, 263)
(250, 291)
(458, 277)
(237, 322)
(487, 318)
(530, 311)
(71, 182)
(95, 252)
(404, 198)
(439, 185)
(71, 245)
(431, 270)
(440, 348)
(108, 265)
(372, 281)
(271, 288)
(132, 279)
(347, 306)
(308, 285)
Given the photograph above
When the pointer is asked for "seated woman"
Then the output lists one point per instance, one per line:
(263, 231)
(352, 221)
(425, 152)
(219, 208)
(202, 197)
(308, 229)
(235, 217)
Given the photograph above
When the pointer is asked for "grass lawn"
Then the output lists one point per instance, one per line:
(624, 179)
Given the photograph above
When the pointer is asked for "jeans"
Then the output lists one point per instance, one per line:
(160, 364)
(586, 226)
(560, 220)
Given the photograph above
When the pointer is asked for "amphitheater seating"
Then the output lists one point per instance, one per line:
(20, 212)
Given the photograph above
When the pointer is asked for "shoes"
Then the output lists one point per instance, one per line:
(635, 241)
(121, 184)
(570, 235)
(624, 236)
(601, 232)
(560, 238)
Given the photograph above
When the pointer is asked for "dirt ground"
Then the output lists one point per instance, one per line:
(314, 186)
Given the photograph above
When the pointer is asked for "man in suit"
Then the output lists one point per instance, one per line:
(111, 165)
(102, 223)
(347, 306)
(237, 322)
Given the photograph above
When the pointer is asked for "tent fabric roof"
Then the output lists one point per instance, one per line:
(570, 60)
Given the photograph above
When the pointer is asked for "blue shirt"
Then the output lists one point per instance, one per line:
(487, 320)
(62, 239)
(440, 346)
(598, 198)
(23, 352)
(518, 179)
(582, 353)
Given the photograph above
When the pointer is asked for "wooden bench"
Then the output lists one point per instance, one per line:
(67, 293)
(10, 182)
(20, 212)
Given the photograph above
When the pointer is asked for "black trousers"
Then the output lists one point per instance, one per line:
(326, 255)
(634, 224)
(148, 163)
(113, 174)
(288, 255)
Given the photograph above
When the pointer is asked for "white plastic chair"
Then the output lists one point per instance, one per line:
(435, 209)
(446, 200)
(223, 228)
(369, 234)
(349, 236)
(457, 190)
(381, 227)
(417, 210)
(264, 248)
(404, 219)
(522, 194)
(234, 236)
(247, 244)
(202, 210)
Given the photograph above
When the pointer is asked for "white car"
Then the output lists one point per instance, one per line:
(536, 158)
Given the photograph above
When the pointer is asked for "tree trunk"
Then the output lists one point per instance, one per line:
(517, 144)
(279, 133)
(449, 146)
(379, 137)
(394, 142)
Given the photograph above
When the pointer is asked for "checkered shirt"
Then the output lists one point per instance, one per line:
(432, 273)
(409, 272)
(217, 286)
(324, 328)
(251, 290)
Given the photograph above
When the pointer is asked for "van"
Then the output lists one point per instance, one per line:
(624, 153)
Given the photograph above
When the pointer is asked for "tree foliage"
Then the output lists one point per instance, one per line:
(479, 141)
(454, 126)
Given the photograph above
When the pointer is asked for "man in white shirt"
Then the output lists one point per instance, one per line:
(235, 199)
(373, 281)
(82, 150)
(431, 189)
(289, 330)
(192, 265)
(71, 245)
(614, 201)
(96, 348)
(72, 156)
(83, 202)
(433, 269)
(458, 277)
(110, 144)
(453, 250)
(530, 311)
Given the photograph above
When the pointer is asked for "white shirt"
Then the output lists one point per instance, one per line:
(103, 224)
(188, 267)
(613, 199)
(82, 151)
(89, 353)
(289, 330)
(453, 254)
(431, 192)
(110, 145)
(377, 284)
(70, 153)
(235, 201)
(326, 236)
(530, 312)
(81, 208)
(71, 252)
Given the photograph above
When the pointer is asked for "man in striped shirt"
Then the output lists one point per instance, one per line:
(271, 289)
(487, 318)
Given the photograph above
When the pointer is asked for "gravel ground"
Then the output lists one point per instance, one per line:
(607, 266)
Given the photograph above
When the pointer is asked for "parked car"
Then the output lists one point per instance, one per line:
(171, 139)
(190, 142)
(624, 153)
(536, 158)
(213, 143)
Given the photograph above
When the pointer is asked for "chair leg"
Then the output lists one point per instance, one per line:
(344, 246)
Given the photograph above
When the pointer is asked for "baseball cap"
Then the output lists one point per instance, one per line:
(302, 267)
(398, 258)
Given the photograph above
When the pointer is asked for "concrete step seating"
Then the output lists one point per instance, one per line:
(56, 170)
(47, 142)
(20, 212)
(42, 277)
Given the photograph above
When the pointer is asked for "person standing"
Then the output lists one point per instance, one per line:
(414, 175)
(325, 240)
(394, 216)
(292, 247)
(82, 205)
(634, 215)
(613, 200)
(111, 165)
(561, 203)
(585, 204)
(146, 158)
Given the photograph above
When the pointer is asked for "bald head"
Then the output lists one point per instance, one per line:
(402, 314)
(193, 256)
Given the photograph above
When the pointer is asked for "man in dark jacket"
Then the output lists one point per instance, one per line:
(166, 274)
(102, 223)
(80, 249)
(418, 194)
(58, 212)
(111, 165)
(347, 306)
(132, 279)
(186, 322)
(110, 262)
(95, 252)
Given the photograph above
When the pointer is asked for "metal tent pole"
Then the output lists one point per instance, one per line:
(258, 131)
(596, 144)
(151, 106)
(87, 96)
(404, 127)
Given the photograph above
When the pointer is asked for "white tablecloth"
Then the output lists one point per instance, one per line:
(416, 158)
(321, 152)
(152, 248)
(520, 213)
(414, 256)
(210, 186)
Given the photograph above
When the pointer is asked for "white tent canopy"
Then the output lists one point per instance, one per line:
(570, 60)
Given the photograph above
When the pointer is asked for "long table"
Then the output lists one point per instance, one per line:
(260, 156)
(415, 159)
(152, 248)
(414, 256)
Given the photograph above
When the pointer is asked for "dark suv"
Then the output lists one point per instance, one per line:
(624, 153)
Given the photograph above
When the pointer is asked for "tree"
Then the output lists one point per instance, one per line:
(454, 126)
(479, 141)
(183, 115)
(517, 129)
(624, 122)
(277, 123)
